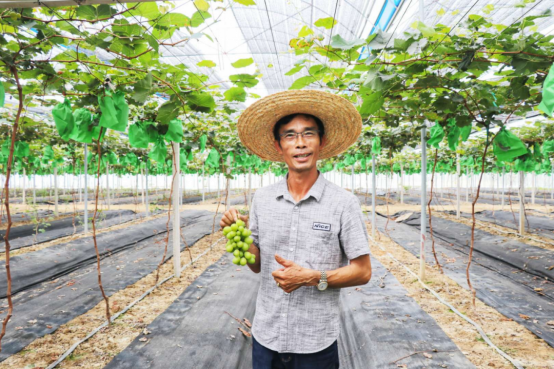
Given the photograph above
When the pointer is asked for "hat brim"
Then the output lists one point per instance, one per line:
(341, 120)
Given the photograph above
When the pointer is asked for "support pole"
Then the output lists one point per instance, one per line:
(352, 179)
(23, 183)
(175, 213)
(85, 216)
(203, 183)
(458, 173)
(534, 188)
(521, 202)
(228, 172)
(34, 190)
(423, 203)
(552, 186)
(401, 184)
(249, 187)
(503, 186)
(373, 196)
(147, 201)
(108, 184)
(56, 191)
(142, 187)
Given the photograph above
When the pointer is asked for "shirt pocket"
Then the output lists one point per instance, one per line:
(324, 250)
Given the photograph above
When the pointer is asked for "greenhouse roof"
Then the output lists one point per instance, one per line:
(263, 31)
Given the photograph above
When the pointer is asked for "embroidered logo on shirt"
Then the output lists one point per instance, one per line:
(321, 227)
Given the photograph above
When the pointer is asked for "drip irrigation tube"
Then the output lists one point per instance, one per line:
(477, 326)
(118, 314)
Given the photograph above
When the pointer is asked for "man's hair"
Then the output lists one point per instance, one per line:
(287, 119)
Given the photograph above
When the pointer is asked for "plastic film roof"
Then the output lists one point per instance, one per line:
(263, 31)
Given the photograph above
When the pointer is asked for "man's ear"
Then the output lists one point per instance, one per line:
(278, 147)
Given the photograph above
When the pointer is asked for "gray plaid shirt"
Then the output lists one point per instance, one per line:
(323, 231)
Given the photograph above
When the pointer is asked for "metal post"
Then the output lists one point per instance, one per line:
(85, 216)
(423, 202)
(108, 184)
(203, 184)
(503, 186)
(142, 187)
(552, 187)
(34, 190)
(401, 184)
(373, 196)
(228, 171)
(56, 191)
(249, 187)
(534, 188)
(521, 202)
(23, 194)
(175, 213)
(147, 201)
(458, 173)
(352, 179)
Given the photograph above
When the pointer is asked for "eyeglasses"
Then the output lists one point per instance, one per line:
(293, 136)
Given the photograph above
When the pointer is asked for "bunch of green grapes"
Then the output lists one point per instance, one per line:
(239, 243)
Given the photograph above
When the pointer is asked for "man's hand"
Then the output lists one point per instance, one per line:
(293, 276)
(231, 217)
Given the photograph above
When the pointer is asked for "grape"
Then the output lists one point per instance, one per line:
(239, 242)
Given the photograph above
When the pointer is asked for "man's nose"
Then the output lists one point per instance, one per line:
(300, 141)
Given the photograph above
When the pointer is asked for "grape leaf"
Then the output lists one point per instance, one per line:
(327, 23)
(241, 63)
(206, 63)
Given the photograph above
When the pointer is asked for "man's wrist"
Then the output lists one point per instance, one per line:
(315, 276)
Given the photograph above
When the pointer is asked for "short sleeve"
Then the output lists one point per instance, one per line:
(253, 222)
(353, 235)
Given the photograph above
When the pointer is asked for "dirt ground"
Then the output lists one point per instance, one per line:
(101, 348)
(509, 336)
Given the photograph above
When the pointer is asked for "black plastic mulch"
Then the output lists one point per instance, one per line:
(60, 283)
(33, 234)
(539, 225)
(27, 217)
(507, 275)
(379, 326)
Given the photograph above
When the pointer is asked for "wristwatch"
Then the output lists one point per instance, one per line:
(322, 285)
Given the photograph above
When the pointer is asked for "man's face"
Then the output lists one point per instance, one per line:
(300, 153)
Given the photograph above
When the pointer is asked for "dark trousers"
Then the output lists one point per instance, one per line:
(264, 358)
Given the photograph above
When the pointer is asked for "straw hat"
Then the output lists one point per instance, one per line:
(342, 122)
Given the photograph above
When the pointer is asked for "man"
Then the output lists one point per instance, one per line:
(309, 235)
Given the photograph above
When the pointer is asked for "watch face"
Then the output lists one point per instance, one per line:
(322, 286)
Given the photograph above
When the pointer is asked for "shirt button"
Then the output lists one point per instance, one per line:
(284, 315)
(296, 207)
(291, 249)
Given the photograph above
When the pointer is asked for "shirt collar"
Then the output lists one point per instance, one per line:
(316, 191)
